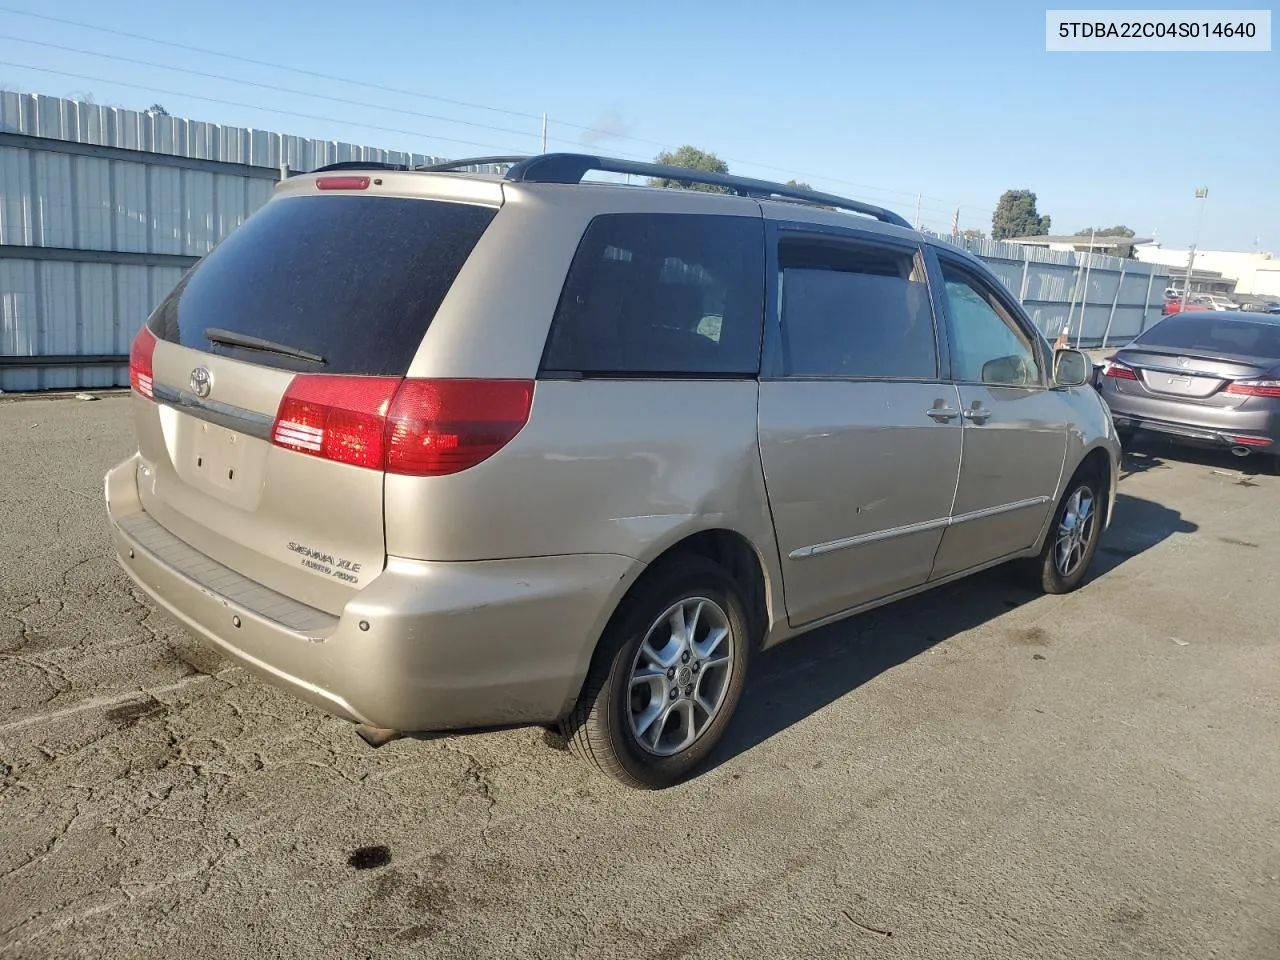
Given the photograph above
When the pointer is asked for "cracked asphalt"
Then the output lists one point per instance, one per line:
(980, 772)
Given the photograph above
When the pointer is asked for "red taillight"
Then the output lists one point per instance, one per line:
(1255, 388)
(437, 427)
(1251, 441)
(336, 418)
(1119, 371)
(342, 183)
(140, 363)
(414, 427)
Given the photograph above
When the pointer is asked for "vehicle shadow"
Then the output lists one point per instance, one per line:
(1151, 452)
(796, 679)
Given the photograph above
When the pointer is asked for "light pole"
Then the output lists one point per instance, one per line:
(1201, 194)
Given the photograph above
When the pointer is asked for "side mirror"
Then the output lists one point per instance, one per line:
(1071, 368)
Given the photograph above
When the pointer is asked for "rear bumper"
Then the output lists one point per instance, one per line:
(425, 646)
(1200, 436)
(1197, 424)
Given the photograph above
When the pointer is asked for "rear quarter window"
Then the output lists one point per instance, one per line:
(662, 294)
(354, 280)
(1211, 334)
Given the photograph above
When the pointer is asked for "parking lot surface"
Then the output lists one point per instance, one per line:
(978, 772)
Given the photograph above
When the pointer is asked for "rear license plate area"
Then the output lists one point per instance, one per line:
(1181, 384)
(217, 455)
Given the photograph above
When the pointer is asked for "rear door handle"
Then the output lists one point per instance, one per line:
(943, 414)
(978, 414)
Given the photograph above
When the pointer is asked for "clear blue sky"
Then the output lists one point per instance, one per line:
(881, 101)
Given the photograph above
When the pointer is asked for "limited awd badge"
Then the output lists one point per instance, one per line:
(201, 381)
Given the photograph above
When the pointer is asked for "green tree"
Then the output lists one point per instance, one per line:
(1016, 216)
(972, 234)
(799, 184)
(1118, 231)
(693, 159)
(1122, 250)
(158, 109)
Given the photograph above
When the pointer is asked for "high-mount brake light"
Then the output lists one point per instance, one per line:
(342, 183)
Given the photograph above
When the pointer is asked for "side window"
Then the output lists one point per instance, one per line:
(655, 294)
(987, 345)
(852, 310)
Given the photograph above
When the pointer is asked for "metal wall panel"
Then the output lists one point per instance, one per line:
(95, 292)
(90, 123)
(57, 285)
(133, 303)
(19, 322)
(231, 206)
(96, 309)
(55, 219)
(16, 213)
(197, 211)
(18, 310)
(165, 209)
(129, 207)
(91, 203)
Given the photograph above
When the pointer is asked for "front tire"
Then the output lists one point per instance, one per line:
(666, 678)
(1073, 537)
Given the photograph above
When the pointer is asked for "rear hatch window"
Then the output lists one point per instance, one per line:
(1213, 336)
(336, 286)
(347, 284)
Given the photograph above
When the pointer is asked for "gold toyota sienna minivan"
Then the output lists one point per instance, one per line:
(439, 450)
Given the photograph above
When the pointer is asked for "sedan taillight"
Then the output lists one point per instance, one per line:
(1118, 371)
(1255, 388)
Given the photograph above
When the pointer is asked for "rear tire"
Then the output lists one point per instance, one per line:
(659, 695)
(1073, 536)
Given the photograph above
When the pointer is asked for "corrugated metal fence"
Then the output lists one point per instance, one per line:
(102, 209)
(1124, 297)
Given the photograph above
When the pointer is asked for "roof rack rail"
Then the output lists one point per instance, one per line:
(572, 167)
(471, 162)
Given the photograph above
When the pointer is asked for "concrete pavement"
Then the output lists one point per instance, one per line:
(977, 772)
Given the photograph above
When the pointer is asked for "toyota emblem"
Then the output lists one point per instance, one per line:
(201, 381)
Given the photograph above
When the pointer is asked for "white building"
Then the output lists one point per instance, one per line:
(1116, 246)
(1252, 272)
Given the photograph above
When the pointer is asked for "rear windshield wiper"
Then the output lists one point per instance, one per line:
(232, 339)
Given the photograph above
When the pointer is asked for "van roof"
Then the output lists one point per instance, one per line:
(570, 168)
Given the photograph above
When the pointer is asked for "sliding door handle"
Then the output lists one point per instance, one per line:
(943, 414)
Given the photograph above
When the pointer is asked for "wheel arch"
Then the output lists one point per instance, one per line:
(1099, 460)
(744, 562)
(731, 550)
